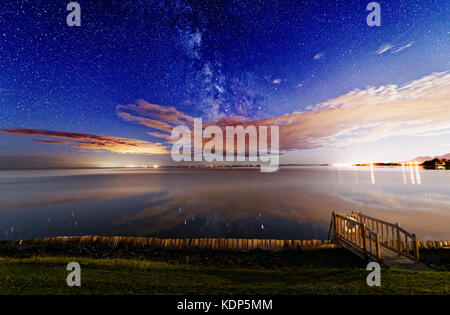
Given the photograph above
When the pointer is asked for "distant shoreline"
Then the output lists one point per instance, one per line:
(424, 165)
(152, 168)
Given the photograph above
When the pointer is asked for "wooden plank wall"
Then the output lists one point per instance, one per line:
(186, 243)
(203, 243)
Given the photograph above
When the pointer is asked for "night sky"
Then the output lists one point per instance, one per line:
(216, 59)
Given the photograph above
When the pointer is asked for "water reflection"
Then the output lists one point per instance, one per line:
(292, 203)
(419, 182)
(404, 174)
(372, 175)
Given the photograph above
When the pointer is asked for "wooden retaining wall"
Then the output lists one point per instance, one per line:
(202, 243)
(185, 243)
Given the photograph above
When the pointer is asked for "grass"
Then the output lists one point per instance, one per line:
(438, 258)
(47, 275)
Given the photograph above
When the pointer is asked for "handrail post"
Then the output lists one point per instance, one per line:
(393, 237)
(406, 244)
(333, 226)
(359, 235)
(339, 225)
(364, 239)
(346, 231)
(378, 248)
(416, 247)
(399, 240)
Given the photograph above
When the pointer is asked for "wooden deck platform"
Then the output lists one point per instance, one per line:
(377, 240)
(395, 260)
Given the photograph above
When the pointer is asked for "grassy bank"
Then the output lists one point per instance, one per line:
(340, 258)
(40, 268)
(47, 275)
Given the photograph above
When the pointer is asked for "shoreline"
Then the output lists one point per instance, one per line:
(183, 243)
(201, 243)
(210, 251)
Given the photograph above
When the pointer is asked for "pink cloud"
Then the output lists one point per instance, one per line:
(92, 142)
(419, 108)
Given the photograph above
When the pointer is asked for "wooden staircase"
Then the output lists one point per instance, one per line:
(376, 240)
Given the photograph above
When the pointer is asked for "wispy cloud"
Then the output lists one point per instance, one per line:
(164, 113)
(392, 48)
(384, 48)
(319, 55)
(86, 141)
(151, 123)
(418, 108)
(52, 141)
(401, 48)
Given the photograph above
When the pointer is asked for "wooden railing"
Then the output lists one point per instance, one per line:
(392, 236)
(366, 235)
(356, 235)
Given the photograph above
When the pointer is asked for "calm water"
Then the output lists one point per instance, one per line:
(294, 203)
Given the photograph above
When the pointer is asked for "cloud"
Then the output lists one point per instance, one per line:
(165, 113)
(160, 135)
(86, 141)
(394, 49)
(419, 108)
(151, 123)
(384, 48)
(401, 48)
(52, 141)
(319, 55)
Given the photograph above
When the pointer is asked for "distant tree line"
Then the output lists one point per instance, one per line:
(437, 163)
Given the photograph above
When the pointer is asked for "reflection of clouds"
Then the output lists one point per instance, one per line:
(79, 196)
(385, 200)
(291, 198)
(423, 214)
(233, 204)
(163, 201)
